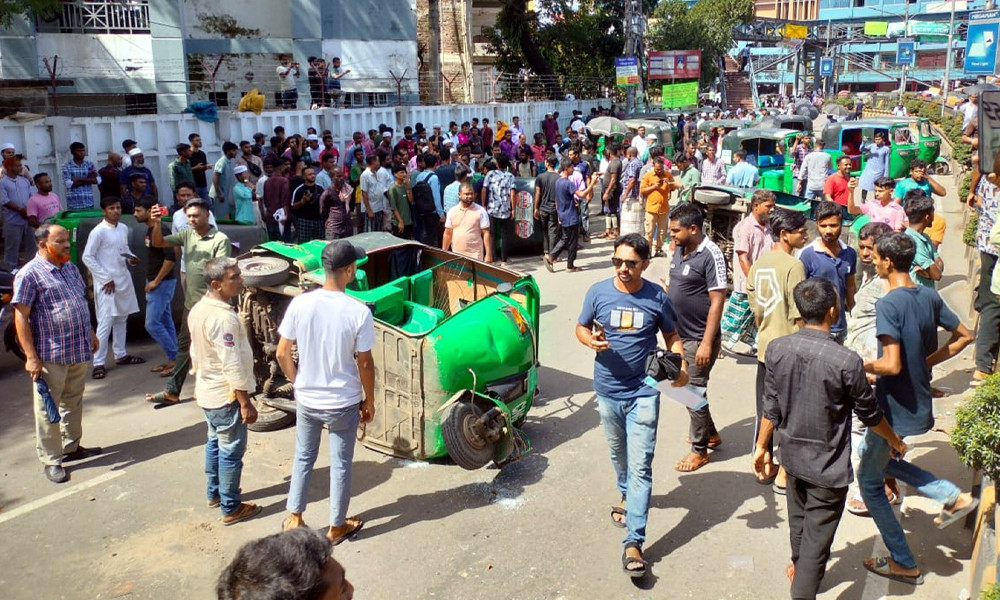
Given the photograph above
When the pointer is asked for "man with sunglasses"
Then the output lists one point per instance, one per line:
(620, 319)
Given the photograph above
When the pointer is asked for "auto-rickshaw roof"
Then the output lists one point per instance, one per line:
(738, 123)
(649, 123)
(760, 132)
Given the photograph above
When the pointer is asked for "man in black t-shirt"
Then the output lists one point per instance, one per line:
(611, 190)
(697, 289)
(161, 281)
(199, 164)
(545, 205)
(305, 208)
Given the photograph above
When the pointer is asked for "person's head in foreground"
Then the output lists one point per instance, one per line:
(292, 565)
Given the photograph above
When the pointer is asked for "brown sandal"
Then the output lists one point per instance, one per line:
(692, 462)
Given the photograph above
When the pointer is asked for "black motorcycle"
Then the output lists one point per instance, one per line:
(7, 315)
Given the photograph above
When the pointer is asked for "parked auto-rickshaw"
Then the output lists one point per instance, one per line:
(768, 150)
(726, 124)
(663, 130)
(908, 138)
(796, 122)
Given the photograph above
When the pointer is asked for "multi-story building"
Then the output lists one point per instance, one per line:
(863, 62)
(456, 64)
(117, 56)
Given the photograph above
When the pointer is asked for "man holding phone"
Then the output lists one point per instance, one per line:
(620, 320)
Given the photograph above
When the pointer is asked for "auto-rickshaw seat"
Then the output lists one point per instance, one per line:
(422, 287)
(419, 319)
(385, 301)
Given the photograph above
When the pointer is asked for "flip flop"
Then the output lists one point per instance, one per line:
(617, 510)
(859, 508)
(99, 373)
(881, 568)
(358, 524)
(128, 359)
(777, 489)
(159, 367)
(690, 466)
(628, 561)
(161, 398)
(950, 518)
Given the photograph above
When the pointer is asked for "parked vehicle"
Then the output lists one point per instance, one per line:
(908, 138)
(726, 124)
(780, 121)
(7, 315)
(665, 132)
(456, 356)
(768, 150)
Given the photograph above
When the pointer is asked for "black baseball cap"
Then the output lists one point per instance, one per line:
(341, 253)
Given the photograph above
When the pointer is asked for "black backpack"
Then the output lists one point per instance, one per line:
(423, 196)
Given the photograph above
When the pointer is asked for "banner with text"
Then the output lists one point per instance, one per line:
(981, 42)
(675, 64)
(627, 71)
(680, 95)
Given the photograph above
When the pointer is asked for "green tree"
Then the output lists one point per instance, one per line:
(12, 8)
(707, 25)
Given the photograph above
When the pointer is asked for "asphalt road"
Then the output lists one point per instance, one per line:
(133, 523)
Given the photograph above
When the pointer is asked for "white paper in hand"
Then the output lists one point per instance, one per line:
(688, 395)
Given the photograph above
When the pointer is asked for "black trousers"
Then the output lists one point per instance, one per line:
(501, 230)
(551, 232)
(570, 242)
(813, 516)
(988, 336)
(432, 229)
(702, 426)
(761, 371)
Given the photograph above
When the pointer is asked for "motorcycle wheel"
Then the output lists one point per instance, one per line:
(10, 341)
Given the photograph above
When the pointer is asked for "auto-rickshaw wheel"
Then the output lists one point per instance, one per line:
(462, 432)
(941, 167)
(269, 418)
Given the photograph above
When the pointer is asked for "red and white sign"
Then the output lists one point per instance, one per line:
(675, 64)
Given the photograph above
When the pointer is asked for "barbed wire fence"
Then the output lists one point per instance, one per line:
(130, 86)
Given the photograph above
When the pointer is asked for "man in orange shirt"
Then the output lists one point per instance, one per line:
(656, 186)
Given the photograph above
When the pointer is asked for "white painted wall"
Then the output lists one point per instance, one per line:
(97, 56)
(272, 17)
(45, 142)
(370, 63)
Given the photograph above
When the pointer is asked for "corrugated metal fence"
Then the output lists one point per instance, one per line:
(45, 142)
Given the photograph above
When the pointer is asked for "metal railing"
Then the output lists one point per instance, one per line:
(98, 17)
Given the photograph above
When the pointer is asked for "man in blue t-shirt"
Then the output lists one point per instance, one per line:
(832, 259)
(906, 323)
(620, 320)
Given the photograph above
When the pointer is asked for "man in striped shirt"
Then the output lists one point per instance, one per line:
(53, 327)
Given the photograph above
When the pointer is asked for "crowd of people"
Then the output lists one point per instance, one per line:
(835, 346)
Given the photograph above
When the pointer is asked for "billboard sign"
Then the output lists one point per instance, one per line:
(627, 71)
(825, 67)
(675, 64)
(981, 42)
(680, 95)
(905, 52)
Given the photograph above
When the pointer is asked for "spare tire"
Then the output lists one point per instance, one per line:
(465, 447)
(264, 271)
(715, 197)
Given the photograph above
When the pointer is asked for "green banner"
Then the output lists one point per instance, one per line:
(679, 95)
(876, 28)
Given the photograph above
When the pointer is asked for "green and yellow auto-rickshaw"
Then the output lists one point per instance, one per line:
(908, 138)
(768, 150)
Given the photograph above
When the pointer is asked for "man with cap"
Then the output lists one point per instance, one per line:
(79, 174)
(15, 192)
(138, 167)
(127, 147)
(312, 146)
(8, 150)
(334, 381)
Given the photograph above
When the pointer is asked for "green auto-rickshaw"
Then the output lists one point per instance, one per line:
(663, 130)
(768, 150)
(726, 124)
(796, 122)
(907, 137)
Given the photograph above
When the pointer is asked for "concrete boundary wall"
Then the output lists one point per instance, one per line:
(45, 142)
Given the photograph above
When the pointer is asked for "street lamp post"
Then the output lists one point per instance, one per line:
(946, 84)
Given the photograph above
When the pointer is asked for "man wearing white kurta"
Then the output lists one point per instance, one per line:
(107, 256)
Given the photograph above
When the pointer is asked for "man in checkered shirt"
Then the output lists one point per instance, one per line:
(53, 328)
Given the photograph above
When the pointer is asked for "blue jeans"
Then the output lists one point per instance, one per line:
(160, 320)
(227, 442)
(343, 426)
(813, 194)
(202, 192)
(876, 464)
(630, 428)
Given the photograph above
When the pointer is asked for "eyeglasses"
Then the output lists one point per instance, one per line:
(618, 262)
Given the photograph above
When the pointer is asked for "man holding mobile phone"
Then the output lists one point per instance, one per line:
(620, 320)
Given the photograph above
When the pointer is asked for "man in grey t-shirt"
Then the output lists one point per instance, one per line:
(815, 167)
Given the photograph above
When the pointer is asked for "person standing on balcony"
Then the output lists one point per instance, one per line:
(287, 72)
(335, 97)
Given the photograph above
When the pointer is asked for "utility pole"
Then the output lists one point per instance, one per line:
(906, 32)
(635, 29)
(946, 84)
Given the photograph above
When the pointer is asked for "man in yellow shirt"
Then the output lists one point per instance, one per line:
(656, 186)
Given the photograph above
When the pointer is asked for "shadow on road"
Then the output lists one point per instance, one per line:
(366, 475)
(132, 452)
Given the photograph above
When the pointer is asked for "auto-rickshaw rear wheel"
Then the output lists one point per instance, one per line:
(470, 431)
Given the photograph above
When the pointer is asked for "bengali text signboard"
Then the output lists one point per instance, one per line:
(627, 71)
(680, 95)
(675, 64)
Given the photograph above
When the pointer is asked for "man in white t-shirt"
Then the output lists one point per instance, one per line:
(639, 141)
(334, 383)
(287, 72)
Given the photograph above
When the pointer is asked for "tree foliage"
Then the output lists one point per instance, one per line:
(13, 8)
(707, 25)
(569, 42)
